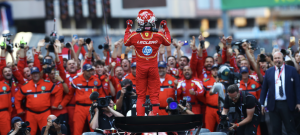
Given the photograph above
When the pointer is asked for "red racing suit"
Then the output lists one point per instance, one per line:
(211, 116)
(146, 45)
(183, 88)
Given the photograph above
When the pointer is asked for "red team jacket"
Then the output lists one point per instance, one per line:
(195, 84)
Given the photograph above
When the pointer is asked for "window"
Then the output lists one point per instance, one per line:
(217, 4)
(203, 4)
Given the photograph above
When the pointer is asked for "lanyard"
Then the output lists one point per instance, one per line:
(279, 74)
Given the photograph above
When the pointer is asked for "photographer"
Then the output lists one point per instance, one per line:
(183, 110)
(17, 129)
(54, 128)
(103, 119)
(243, 108)
(124, 103)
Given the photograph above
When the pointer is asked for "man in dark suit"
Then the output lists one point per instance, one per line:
(282, 85)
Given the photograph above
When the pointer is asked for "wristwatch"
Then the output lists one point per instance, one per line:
(63, 82)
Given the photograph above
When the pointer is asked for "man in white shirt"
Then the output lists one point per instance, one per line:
(283, 87)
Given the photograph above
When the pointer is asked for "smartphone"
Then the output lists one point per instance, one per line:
(262, 50)
(275, 46)
(75, 36)
(186, 42)
(292, 39)
(56, 72)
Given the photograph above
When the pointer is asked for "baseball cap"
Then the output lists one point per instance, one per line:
(224, 72)
(162, 64)
(133, 64)
(34, 70)
(214, 66)
(15, 119)
(244, 70)
(87, 67)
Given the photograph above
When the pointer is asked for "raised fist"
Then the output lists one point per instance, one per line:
(163, 23)
(129, 23)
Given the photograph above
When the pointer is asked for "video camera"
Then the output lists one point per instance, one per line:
(173, 105)
(6, 43)
(49, 67)
(51, 39)
(102, 102)
(226, 73)
(24, 127)
(22, 44)
(129, 86)
(225, 124)
(238, 45)
(105, 46)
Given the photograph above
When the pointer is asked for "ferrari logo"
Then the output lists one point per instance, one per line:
(146, 34)
(192, 84)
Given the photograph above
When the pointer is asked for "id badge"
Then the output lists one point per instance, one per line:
(86, 89)
(35, 95)
(161, 89)
(279, 83)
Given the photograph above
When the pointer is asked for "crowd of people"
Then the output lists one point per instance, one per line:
(48, 88)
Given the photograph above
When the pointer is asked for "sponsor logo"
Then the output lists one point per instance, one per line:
(147, 50)
(147, 42)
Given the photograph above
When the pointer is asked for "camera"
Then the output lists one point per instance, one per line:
(238, 45)
(226, 73)
(128, 84)
(49, 67)
(102, 102)
(225, 124)
(61, 39)
(173, 105)
(47, 61)
(263, 58)
(22, 44)
(218, 49)
(87, 41)
(68, 45)
(59, 120)
(24, 127)
(51, 39)
(6, 43)
(183, 101)
(8, 35)
(285, 51)
(105, 46)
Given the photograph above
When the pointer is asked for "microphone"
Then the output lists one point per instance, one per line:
(169, 100)
(94, 96)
